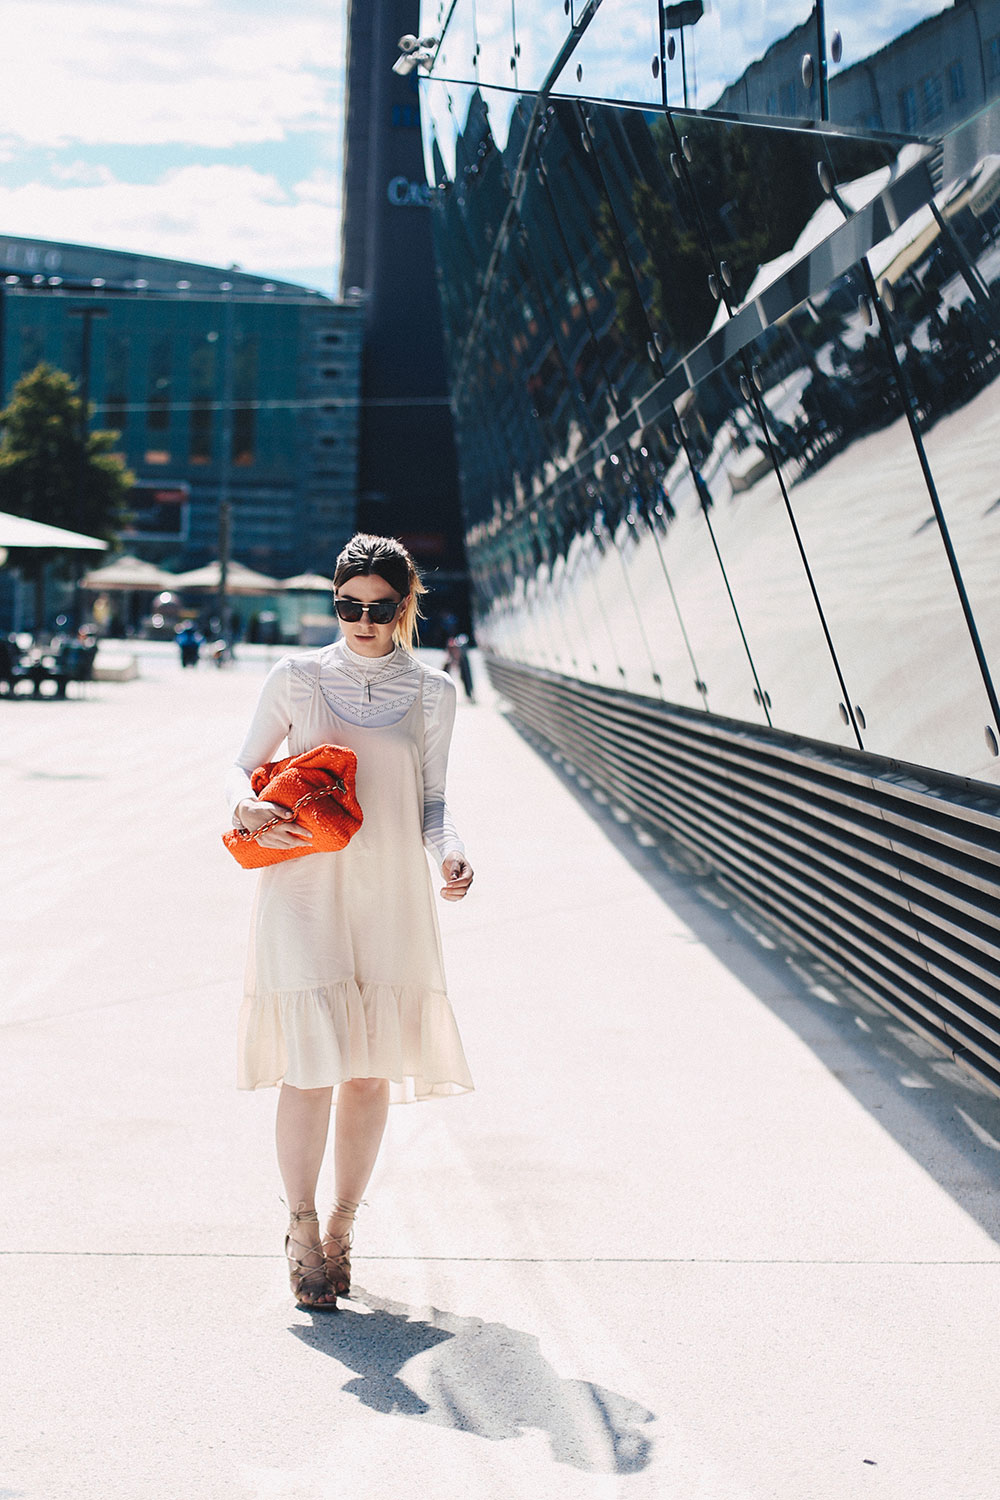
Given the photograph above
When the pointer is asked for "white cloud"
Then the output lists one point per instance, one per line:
(177, 72)
(216, 214)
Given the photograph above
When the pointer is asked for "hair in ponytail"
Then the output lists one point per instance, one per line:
(384, 555)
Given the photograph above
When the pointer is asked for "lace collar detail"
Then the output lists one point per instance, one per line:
(367, 670)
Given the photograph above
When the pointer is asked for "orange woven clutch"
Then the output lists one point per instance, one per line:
(319, 787)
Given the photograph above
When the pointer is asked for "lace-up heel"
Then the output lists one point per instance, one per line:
(307, 1274)
(337, 1246)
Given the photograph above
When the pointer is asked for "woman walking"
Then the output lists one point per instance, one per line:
(345, 993)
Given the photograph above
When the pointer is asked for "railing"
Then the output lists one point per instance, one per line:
(890, 873)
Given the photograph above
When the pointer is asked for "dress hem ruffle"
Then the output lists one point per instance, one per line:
(334, 1032)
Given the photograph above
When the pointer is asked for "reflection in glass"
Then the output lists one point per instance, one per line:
(778, 560)
(947, 330)
(457, 55)
(796, 672)
(916, 68)
(689, 619)
(617, 56)
(865, 516)
(494, 39)
(718, 192)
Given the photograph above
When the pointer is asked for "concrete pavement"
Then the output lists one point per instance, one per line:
(711, 1227)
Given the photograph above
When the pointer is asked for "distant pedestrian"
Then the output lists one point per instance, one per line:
(345, 988)
(457, 659)
(190, 640)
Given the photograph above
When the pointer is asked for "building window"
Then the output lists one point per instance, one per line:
(331, 338)
(203, 365)
(116, 381)
(156, 456)
(32, 349)
(158, 389)
(956, 82)
(908, 109)
(245, 359)
(932, 96)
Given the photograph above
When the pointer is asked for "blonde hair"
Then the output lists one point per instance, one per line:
(386, 556)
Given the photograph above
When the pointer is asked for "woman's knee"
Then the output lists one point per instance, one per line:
(306, 1096)
(365, 1088)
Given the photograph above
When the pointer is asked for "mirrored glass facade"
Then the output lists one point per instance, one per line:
(721, 294)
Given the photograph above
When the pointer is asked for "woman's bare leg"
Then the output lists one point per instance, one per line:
(301, 1129)
(362, 1107)
(300, 1133)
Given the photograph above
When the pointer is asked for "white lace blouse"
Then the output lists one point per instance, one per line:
(364, 690)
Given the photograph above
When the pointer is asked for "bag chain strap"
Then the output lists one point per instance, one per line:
(253, 833)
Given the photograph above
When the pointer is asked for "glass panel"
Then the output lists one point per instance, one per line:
(864, 513)
(747, 59)
(656, 218)
(593, 604)
(540, 28)
(616, 55)
(494, 34)
(456, 57)
(599, 290)
(442, 105)
(678, 675)
(687, 612)
(575, 360)
(795, 672)
(756, 196)
(948, 331)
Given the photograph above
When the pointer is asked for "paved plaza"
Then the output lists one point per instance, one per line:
(711, 1228)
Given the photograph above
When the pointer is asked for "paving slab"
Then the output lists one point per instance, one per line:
(711, 1226)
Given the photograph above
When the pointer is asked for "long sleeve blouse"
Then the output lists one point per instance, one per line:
(372, 691)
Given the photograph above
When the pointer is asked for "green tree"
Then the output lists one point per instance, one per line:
(54, 471)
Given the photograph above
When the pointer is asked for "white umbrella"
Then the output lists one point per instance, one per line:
(128, 573)
(309, 583)
(18, 531)
(239, 580)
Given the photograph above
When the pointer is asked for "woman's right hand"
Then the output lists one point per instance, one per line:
(250, 813)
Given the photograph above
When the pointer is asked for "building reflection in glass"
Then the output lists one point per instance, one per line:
(725, 386)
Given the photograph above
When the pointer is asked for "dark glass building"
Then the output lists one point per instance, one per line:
(408, 481)
(217, 381)
(726, 386)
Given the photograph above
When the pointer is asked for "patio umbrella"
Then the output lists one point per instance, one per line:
(308, 583)
(128, 574)
(239, 580)
(18, 531)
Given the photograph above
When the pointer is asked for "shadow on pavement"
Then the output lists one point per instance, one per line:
(944, 1118)
(479, 1377)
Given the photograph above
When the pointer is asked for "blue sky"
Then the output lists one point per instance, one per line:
(204, 129)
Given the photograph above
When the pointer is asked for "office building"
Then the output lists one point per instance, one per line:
(215, 379)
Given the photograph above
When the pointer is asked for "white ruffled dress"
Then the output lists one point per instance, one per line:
(345, 976)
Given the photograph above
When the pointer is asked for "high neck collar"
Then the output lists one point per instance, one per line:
(368, 663)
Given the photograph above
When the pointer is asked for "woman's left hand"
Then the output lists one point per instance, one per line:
(458, 873)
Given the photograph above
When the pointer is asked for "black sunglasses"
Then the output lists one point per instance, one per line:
(379, 613)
